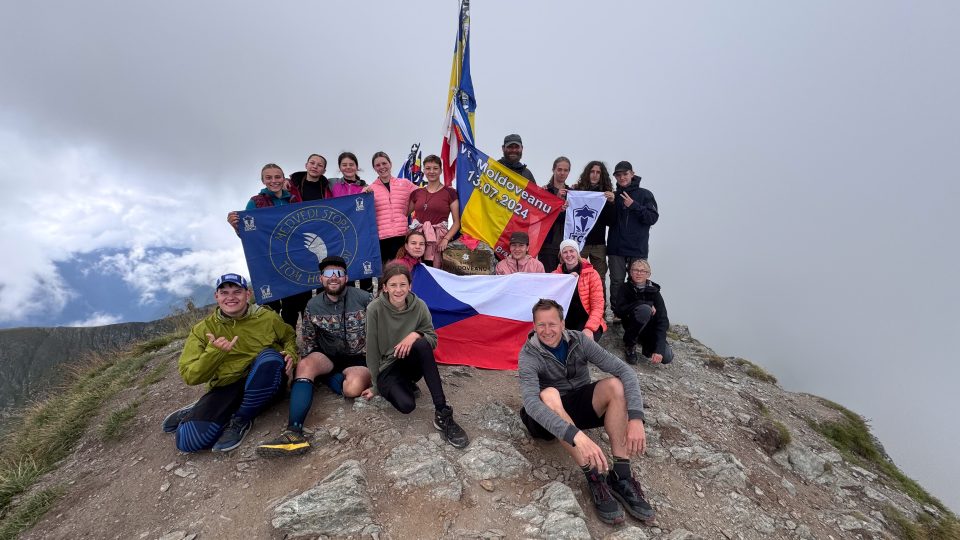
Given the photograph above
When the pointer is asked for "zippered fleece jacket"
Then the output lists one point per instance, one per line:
(201, 362)
(540, 369)
(387, 326)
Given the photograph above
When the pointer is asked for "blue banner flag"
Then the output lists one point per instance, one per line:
(284, 244)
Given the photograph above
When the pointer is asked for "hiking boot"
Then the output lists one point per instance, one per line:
(233, 435)
(172, 421)
(289, 443)
(607, 508)
(630, 494)
(452, 432)
(630, 354)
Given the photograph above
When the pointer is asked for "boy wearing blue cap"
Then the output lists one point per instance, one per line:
(241, 351)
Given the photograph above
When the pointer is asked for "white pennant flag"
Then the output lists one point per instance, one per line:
(583, 211)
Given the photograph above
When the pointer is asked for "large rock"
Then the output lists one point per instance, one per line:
(497, 417)
(801, 460)
(489, 458)
(554, 513)
(421, 464)
(719, 467)
(627, 533)
(337, 506)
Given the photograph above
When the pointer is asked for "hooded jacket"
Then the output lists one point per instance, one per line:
(259, 328)
(341, 188)
(326, 322)
(266, 199)
(630, 227)
(630, 296)
(591, 295)
(539, 369)
(387, 326)
(299, 179)
(527, 264)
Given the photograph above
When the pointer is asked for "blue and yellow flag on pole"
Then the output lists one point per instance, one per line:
(284, 244)
(461, 102)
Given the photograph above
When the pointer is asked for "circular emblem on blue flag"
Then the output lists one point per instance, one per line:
(306, 236)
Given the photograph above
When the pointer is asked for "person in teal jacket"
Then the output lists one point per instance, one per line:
(241, 352)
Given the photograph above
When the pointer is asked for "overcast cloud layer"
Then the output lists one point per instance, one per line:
(802, 156)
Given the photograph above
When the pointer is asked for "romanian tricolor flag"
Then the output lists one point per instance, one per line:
(411, 168)
(483, 321)
(461, 103)
(496, 202)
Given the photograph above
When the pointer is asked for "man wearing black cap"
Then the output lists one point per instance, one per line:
(512, 153)
(519, 260)
(635, 211)
(332, 342)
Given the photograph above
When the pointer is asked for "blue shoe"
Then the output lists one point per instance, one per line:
(172, 421)
(233, 435)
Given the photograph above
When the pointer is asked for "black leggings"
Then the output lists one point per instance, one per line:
(397, 382)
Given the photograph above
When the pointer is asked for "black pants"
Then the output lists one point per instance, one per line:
(397, 382)
(636, 331)
(291, 307)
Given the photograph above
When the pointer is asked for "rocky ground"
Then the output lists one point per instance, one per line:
(713, 468)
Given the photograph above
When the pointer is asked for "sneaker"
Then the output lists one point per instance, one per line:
(630, 354)
(172, 421)
(607, 508)
(452, 432)
(232, 436)
(630, 494)
(289, 443)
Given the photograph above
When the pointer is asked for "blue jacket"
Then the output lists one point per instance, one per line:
(630, 228)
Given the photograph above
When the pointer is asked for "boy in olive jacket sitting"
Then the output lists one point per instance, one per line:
(241, 352)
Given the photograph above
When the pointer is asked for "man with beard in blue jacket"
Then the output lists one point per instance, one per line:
(635, 211)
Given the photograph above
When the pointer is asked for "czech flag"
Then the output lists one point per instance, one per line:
(496, 202)
(483, 321)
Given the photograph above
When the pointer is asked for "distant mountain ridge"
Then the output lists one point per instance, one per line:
(33, 359)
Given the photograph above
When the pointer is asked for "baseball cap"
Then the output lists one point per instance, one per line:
(623, 166)
(333, 260)
(236, 279)
(513, 138)
(520, 238)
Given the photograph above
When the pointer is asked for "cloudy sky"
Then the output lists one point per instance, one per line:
(800, 153)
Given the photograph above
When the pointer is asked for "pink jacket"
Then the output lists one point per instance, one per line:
(391, 204)
(342, 187)
(511, 266)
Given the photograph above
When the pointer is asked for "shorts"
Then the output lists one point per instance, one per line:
(578, 404)
(344, 361)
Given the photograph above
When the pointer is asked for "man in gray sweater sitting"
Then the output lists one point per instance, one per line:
(559, 400)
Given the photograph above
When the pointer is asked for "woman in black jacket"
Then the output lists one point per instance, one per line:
(644, 316)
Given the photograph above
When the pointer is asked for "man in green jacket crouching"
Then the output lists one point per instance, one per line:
(241, 351)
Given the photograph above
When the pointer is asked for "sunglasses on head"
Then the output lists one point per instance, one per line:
(333, 272)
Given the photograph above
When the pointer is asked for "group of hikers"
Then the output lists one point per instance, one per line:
(362, 343)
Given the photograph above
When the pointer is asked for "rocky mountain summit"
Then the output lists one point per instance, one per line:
(730, 455)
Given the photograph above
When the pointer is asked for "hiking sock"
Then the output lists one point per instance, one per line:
(621, 467)
(261, 385)
(301, 398)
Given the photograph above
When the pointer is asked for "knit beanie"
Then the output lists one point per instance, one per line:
(571, 244)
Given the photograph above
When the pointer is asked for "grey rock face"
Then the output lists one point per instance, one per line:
(554, 513)
(338, 505)
(683, 534)
(421, 464)
(801, 460)
(489, 458)
(627, 533)
(499, 418)
(719, 467)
